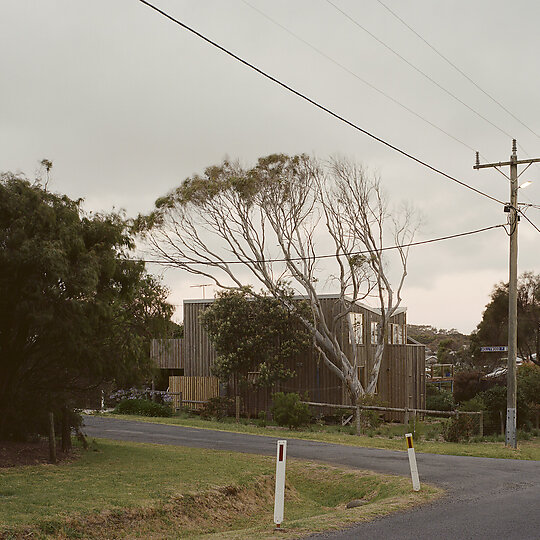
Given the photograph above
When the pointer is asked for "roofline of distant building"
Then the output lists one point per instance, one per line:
(377, 311)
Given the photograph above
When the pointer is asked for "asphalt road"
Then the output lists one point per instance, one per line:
(486, 498)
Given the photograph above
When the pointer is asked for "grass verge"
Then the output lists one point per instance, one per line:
(133, 490)
(527, 450)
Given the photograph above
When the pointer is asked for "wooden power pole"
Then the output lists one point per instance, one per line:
(513, 219)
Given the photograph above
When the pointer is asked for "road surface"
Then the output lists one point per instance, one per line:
(486, 498)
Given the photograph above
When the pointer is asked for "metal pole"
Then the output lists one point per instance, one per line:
(511, 384)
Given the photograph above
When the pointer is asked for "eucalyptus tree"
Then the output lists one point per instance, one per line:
(290, 222)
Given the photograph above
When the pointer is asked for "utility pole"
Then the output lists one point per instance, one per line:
(513, 219)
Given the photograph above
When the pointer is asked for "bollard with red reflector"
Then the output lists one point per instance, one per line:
(412, 462)
(280, 483)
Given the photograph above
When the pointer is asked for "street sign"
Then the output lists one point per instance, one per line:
(501, 348)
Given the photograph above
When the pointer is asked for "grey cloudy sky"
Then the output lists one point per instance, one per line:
(127, 104)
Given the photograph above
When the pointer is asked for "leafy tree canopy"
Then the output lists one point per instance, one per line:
(493, 328)
(253, 333)
(74, 309)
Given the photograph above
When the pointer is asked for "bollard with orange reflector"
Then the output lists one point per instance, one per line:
(412, 462)
(280, 483)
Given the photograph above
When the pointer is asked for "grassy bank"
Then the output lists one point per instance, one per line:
(390, 437)
(149, 491)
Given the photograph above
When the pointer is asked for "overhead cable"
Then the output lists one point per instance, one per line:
(361, 79)
(172, 262)
(318, 105)
(523, 214)
(460, 71)
(417, 69)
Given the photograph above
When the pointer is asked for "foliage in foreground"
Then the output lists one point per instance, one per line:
(75, 310)
(287, 410)
(142, 407)
(493, 328)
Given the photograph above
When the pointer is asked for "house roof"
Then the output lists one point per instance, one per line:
(335, 296)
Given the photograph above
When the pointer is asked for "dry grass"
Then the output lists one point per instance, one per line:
(127, 490)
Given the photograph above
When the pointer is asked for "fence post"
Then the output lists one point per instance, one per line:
(358, 423)
(52, 439)
(406, 416)
(481, 420)
(237, 403)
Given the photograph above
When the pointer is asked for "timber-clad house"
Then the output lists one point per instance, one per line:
(401, 379)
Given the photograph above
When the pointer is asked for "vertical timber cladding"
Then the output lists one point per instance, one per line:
(167, 353)
(200, 354)
(193, 389)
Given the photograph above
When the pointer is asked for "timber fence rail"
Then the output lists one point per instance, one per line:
(405, 410)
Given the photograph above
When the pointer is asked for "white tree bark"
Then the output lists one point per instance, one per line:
(275, 220)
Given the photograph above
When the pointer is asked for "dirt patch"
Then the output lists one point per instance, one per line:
(15, 454)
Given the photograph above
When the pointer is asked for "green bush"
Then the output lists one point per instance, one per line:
(142, 407)
(288, 411)
(439, 399)
(216, 407)
(261, 422)
(475, 404)
(460, 428)
(370, 419)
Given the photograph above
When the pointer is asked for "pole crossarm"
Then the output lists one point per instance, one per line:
(505, 163)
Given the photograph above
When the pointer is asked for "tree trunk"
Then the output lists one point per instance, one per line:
(66, 431)
(52, 439)
(358, 422)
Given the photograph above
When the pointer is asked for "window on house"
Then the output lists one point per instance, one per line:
(361, 370)
(357, 320)
(395, 334)
(374, 332)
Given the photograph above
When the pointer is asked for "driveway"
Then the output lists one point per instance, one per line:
(487, 498)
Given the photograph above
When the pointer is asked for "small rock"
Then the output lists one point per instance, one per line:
(356, 502)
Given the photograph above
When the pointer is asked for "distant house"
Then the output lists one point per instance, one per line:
(401, 379)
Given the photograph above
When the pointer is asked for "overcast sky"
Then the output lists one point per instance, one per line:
(127, 104)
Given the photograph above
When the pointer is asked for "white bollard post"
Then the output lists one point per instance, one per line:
(412, 462)
(280, 482)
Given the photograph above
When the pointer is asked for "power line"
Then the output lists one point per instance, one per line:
(523, 214)
(417, 69)
(316, 104)
(352, 253)
(354, 74)
(432, 47)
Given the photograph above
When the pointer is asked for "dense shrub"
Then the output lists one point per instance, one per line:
(142, 407)
(138, 393)
(467, 384)
(528, 396)
(287, 410)
(438, 399)
(370, 419)
(460, 428)
(216, 407)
